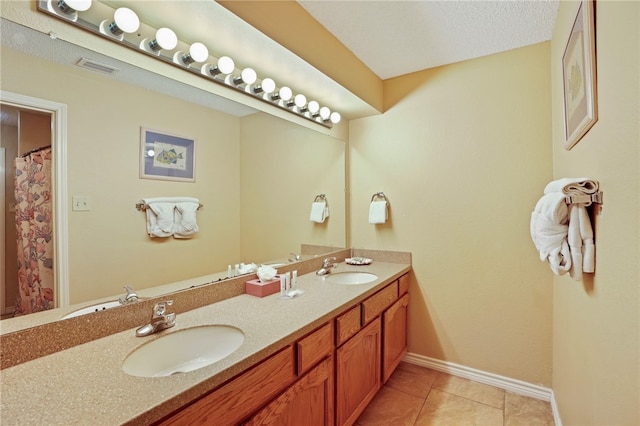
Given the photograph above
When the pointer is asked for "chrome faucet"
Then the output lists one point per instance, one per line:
(160, 319)
(327, 265)
(296, 257)
(130, 297)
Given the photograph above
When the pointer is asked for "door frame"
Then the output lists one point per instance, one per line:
(58, 113)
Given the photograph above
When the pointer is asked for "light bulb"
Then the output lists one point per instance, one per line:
(226, 65)
(248, 76)
(198, 52)
(71, 6)
(268, 85)
(165, 39)
(285, 93)
(325, 113)
(314, 107)
(125, 20)
(300, 100)
(335, 117)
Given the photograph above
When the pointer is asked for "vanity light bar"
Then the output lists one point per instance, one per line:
(161, 43)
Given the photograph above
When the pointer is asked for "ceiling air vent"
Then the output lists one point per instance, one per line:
(96, 66)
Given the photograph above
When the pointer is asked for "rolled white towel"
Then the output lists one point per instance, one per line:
(548, 228)
(573, 185)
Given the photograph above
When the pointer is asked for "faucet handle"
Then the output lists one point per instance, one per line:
(130, 297)
(295, 257)
(327, 262)
(160, 308)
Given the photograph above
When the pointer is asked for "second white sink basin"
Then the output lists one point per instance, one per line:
(351, 278)
(183, 351)
(93, 308)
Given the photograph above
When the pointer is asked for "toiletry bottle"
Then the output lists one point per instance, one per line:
(294, 280)
(283, 285)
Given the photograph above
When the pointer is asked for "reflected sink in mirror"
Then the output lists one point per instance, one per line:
(93, 308)
(351, 278)
(183, 351)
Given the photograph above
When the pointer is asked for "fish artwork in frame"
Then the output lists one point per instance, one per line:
(165, 156)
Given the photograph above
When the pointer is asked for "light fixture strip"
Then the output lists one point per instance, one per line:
(287, 106)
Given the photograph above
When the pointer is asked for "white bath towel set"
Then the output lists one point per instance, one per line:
(167, 216)
(562, 233)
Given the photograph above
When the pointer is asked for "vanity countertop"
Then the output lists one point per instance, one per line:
(87, 384)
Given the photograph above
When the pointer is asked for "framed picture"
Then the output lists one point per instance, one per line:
(579, 76)
(167, 157)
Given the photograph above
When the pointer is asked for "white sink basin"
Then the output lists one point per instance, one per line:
(351, 278)
(93, 308)
(183, 351)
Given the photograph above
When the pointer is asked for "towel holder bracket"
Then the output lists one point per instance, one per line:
(585, 199)
(379, 195)
(142, 206)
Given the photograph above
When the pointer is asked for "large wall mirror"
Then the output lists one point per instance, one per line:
(256, 175)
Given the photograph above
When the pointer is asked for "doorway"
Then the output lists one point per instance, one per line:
(27, 124)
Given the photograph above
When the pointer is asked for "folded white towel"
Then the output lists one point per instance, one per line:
(378, 212)
(185, 219)
(572, 185)
(160, 220)
(549, 227)
(319, 211)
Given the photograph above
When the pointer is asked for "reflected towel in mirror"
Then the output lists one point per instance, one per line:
(319, 211)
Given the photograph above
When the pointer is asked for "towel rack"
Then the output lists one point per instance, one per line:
(141, 206)
(585, 199)
(320, 198)
(379, 195)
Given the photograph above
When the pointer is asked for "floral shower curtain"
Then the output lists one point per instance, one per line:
(34, 232)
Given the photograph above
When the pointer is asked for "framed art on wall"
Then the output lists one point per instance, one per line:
(579, 76)
(167, 157)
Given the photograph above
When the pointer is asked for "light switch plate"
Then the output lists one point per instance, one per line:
(81, 203)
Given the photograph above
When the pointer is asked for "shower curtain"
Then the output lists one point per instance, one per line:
(34, 228)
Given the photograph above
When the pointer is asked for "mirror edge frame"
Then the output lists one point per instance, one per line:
(58, 113)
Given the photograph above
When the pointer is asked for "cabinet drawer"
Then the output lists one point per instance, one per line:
(242, 396)
(314, 347)
(403, 283)
(347, 325)
(373, 306)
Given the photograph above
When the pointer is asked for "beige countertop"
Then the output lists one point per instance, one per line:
(85, 384)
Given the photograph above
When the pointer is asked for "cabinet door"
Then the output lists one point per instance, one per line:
(394, 336)
(307, 402)
(357, 373)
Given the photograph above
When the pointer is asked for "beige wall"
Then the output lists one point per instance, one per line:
(108, 246)
(596, 323)
(284, 166)
(462, 153)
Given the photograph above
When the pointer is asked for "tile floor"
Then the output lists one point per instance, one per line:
(419, 396)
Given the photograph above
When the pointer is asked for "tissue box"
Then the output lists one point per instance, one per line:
(256, 288)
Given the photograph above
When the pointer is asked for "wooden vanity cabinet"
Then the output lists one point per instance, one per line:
(323, 378)
(394, 336)
(309, 401)
(357, 373)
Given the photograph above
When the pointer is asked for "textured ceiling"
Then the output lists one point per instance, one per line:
(399, 37)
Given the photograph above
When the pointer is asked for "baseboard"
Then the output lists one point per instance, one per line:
(502, 382)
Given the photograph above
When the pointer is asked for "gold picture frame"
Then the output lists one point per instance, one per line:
(579, 76)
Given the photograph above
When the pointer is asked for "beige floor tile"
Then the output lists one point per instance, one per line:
(523, 411)
(469, 389)
(444, 409)
(412, 379)
(391, 407)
